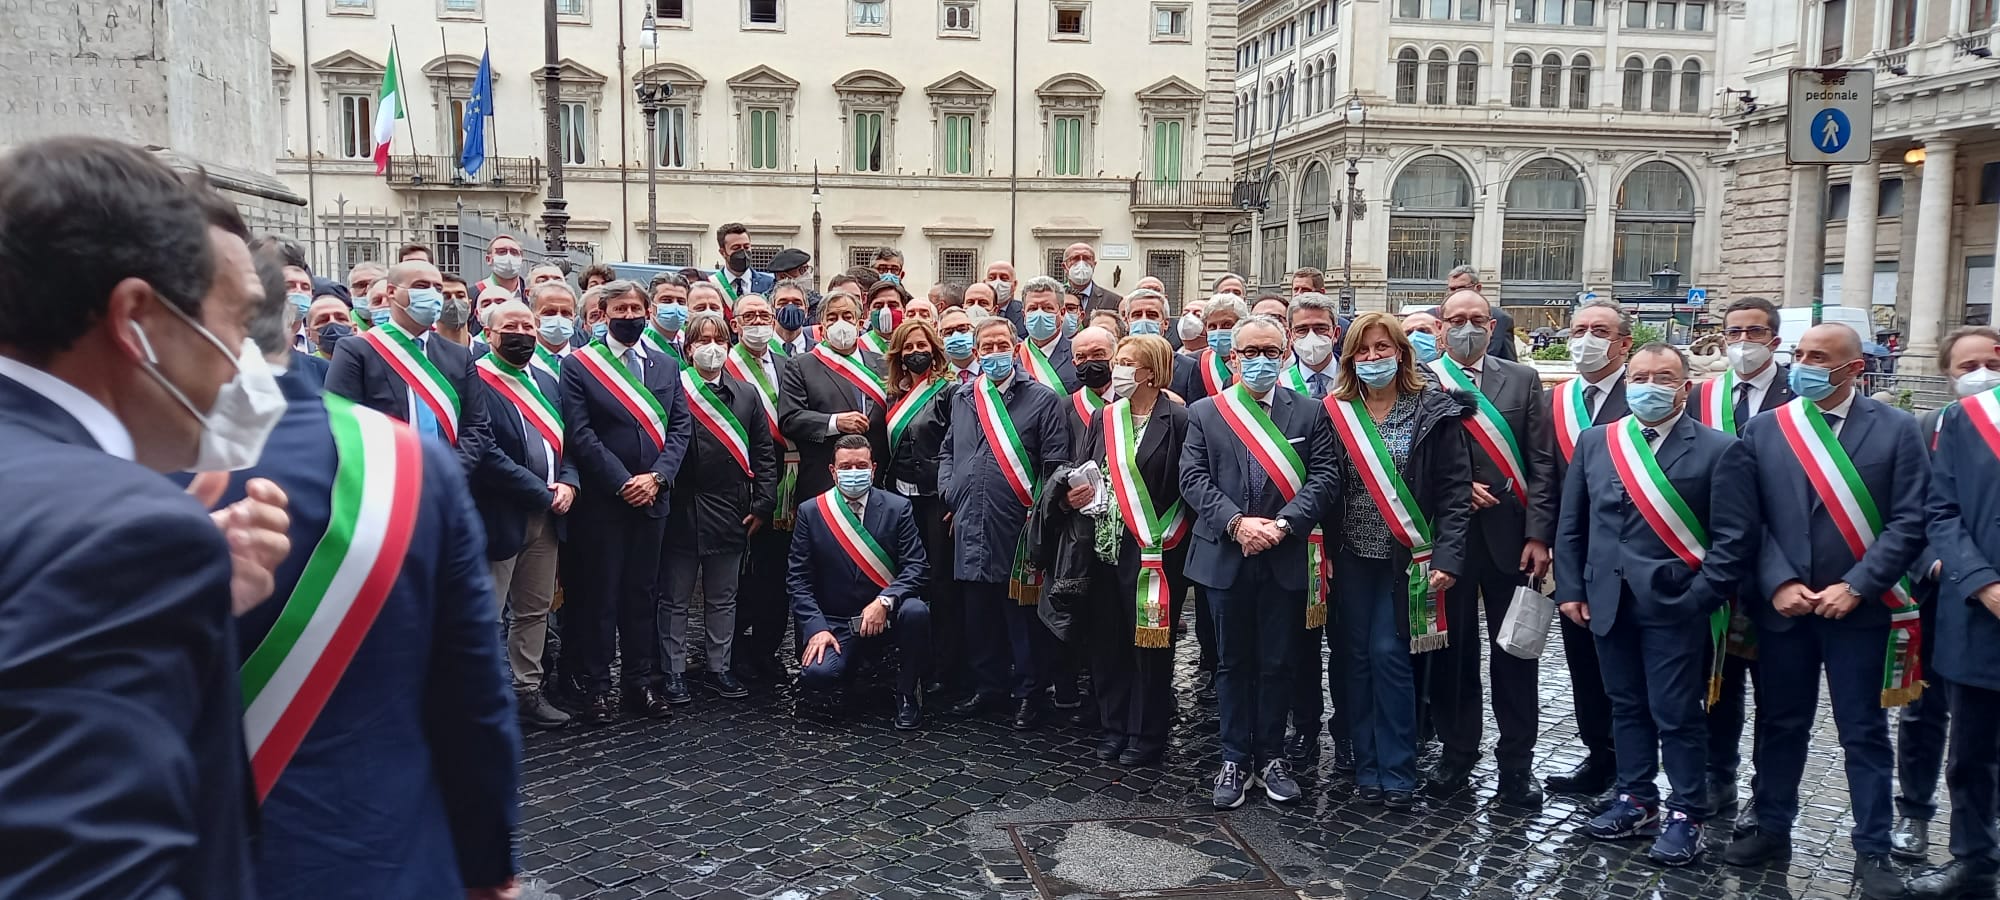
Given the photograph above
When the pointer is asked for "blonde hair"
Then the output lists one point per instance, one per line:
(1152, 352)
(1409, 375)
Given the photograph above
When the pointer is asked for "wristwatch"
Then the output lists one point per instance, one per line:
(1284, 525)
(886, 602)
(658, 482)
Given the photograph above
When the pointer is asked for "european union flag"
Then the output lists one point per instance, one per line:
(477, 109)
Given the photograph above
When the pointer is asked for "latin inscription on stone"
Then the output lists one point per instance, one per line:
(82, 66)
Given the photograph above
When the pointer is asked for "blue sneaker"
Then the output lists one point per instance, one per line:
(1679, 843)
(1626, 817)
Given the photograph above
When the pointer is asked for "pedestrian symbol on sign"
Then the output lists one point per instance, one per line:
(1830, 130)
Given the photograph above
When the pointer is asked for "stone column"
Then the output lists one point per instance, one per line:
(1931, 272)
(1857, 261)
(1805, 236)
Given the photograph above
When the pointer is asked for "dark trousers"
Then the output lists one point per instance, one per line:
(1973, 773)
(1654, 679)
(1381, 689)
(763, 603)
(1790, 663)
(909, 635)
(1726, 720)
(1133, 684)
(1586, 680)
(942, 596)
(1455, 694)
(1204, 630)
(1920, 735)
(1256, 623)
(1309, 694)
(608, 600)
(1001, 633)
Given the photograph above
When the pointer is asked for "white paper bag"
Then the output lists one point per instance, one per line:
(1524, 633)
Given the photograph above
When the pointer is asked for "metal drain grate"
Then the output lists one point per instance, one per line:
(1166, 856)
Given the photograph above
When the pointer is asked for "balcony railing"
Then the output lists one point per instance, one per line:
(512, 173)
(1149, 193)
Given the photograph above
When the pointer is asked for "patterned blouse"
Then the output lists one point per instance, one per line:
(1363, 532)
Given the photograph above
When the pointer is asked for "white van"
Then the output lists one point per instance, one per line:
(1794, 320)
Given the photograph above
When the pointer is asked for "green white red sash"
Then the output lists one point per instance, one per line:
(851, 368)
(546, 361)
(724, 285)
(715, 415)
(377, 489)
(745, 367)
(1008, 451)
(1859, 520)
(1215, 374)
(1658, 501)
(1155, 532)
(1571, 415)
(861, 547)
(1038, 366)
(1717, 406)
(657, 341)
(1983, 411)
(519, 389)
(1406, 521)
(1086, 402)
(625, 386)
(876, 341)
(1488, 428)
(910, 404)
(410, 364)
(1253, 426)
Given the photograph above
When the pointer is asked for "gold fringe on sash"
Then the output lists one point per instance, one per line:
(1152, 638)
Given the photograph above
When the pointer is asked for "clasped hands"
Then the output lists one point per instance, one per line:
(1257, 535)
(1794, 599)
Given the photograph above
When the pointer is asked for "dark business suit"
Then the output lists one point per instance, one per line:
(1257, 602)
(1492, 571)
(1586, 678)
(705, 536)
(760, 601)
(1921, 726)
(311, 366)
(829, 591)
(359, 373)
(1964, 531)
(1502, 345)
(1096, 298)
(608, 592)
(810, 395)
(122, 757)
(1802, 544)
(405, 785)
(752, 282)
(511, 485)
(1648, 609)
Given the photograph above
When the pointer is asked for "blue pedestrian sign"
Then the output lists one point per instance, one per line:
(1830, 116)
(1697, 296)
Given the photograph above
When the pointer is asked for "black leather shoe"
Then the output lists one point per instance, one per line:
(1881, 879)
(535, 711)
(1027, 714)
(1399, 799)
(725, 686)
(1447, 779)
(1141, 756)
(1518, 788)
(1746, 821)
(677, 689)
(909, 713)
(1343, 757)
(1369, 796)
(1302, 751)
(1722, 796)
(1592, 778)
(603, 709)
(977, 704)
(1759, 848)
(1910, 840)
(1952, 880)
(1110, 748)
(643, 700)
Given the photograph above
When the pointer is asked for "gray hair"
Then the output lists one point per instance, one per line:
(980, 325)
(738, 305)
(801, 285)
(506, 306)
(611, 290)
(1312, 300)
(1471, 272)
(1144, 294)
(380, 271)
(673, 278)
(535, 293)
(1221, 303)
(697, 321)
(951, 293)
(1219, 279)
(1040, 284)
(883, 253)
(272, 323)
(1624, 317)
(1236, 334)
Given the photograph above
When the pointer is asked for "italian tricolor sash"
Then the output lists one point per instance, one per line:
(1983, 411)
(1008, 451)
(639, 403)
(1406, 521)
(410, 364)
(745, 367)
(715, 415)
(1155, 532)
(519, 389)
(1571, 414)
(851, 368)
(1659, 502)
(377, 489)
(853, 538)
(1488, 428)
(1215, 374)
(546, 361)
(909, 405)
(658, 342)
(723, 284)
(1859, 519)
(1717, 408)
(1086, 402)
(876, 341)
(1038, 367)
(1253, 426)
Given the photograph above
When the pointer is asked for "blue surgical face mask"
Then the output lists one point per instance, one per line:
(1814, 383)
(1651, 402)
(959, 345)
(379, 315)
(1377, 373)
(1042, 324)
(1426, 344)
(1260, 373)
(671, 316)
(557, 329)
(599, 330)
(300, 303)
(1072, 323)
(890, 277)
(426, 304)
(1145, 326)
(854, 482)
(997, 366)
(1221, 339)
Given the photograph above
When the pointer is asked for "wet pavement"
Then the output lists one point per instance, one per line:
(774, 796)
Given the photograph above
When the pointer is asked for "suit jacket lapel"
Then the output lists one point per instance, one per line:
(1677, 442)
(1613, 408)
(1860, 420)
(1156, 429)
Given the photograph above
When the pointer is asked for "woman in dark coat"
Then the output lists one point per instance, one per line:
(1133, 600)
(919, 411)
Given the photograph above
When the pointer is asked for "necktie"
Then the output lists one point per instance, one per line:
(1590, 394)
(421, 415)
(964, 375)
(1253, 484)
(1319, 385)
(1833, 424)
(1473, 375)
(739, 286)
(1650, 434)
(1742, 404)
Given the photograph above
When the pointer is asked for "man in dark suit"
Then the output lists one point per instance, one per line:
(860, 589)
(1249, 550)
(836, 389)
(122, 758)
(1501, 345)
(734, 275)
(759, 361)
(1832, 564)
(1632, 565)
(1042, 300)
(523, 491)
(1313, 321)
(400, 369)
(1200, 373)
(1080, 267)
(628, 430)
(1600, 338)
(1514, 499)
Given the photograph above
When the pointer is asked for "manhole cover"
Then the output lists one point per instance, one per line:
(1141, 857)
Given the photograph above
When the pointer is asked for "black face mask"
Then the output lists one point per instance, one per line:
(1094, 374)
(330, 334)
(739, 261)
(626, 331)
(918, 362)
(516, 349)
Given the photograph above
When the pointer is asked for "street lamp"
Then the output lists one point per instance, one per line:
(1667, 281)
(555, 211)
(816, 198)
(652, 98)
(1357, 117)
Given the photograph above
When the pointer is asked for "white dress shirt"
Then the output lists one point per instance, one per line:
(1603, 386)
(1760, 387)
(1837, 416)
(1664, 428)
(96, 419)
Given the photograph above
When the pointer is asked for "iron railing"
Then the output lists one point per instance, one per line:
(1149, 193)
(522, 173)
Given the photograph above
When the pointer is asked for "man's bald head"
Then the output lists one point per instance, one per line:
(1465, 303)
(403, 274)
(1841, 342)
(1093, 343)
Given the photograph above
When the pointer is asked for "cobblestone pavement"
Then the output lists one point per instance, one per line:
(777, 796)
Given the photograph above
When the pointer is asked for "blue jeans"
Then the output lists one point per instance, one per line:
(1256, 627)
(1381, 691)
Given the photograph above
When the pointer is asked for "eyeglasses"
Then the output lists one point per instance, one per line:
(1265, 352)
(756, 318)
(1458, 321)
(1666, 381)
(1598, 331)
(1754, 332)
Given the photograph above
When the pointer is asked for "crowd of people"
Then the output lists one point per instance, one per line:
(991, 489)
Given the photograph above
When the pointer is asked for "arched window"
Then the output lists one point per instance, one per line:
(1430, 221)
(1552, 81)
(1523, 80)
(1315, 198)
(1406, 75)
(1437, 81)
(1332, 77)
(1579, 82)
(1635, 84)
(1543, 240)
(1691, 86)
(1655, 223)
(1468, 78)
(1663, 85)
(1276, 221)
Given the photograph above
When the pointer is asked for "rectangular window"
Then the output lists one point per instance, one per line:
(1170, 21)
(444, 247)
(675, 10)
(673, 254)
(868, 142)
(1665, 14)
(860, 257)
(1275, 251)
(1640, 248)
(355, 251)
(673, 138)
(357, 127)
(1552, 12)
(1542, 250)
(763, 12)
(1440, 9)
(1989, 183)
(1635, 14)
(455, 110)
(1410, 9)
(1833, 31)
(1072, 21)
(1312, 243)
(1066, 145)
(1055, 269)
(461, 6)
(1468, 10)
(1167, 150)
(1170, 266)
(1837, 201)
(1979, 16)
(1890, 201)
(958, 153)
(1579, 84)
(1902, 23)
(959, 18)
(1585, 13)
(957, 265)
(354, 5)
(1239, 250)
(1426, 249)
(1697, 16)
(573, 8)
(763, 139)
(1524, 10)
(868, 13)
(575, 136)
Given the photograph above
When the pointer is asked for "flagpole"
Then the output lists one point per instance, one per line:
(403, 98)
(450, 94)
(490, 109)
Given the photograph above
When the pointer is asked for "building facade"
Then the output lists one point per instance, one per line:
(1562, 147)
(957, 131)
(1911, 234)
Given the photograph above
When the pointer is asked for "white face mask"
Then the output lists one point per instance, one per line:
(507, 265)
(1589, 352)
(1124, 380)
(842, 335)
(1080, 272)
(975, 313)
(1977, 381)
(708, 357)
(1191, 327)
(757, 335)
(246, 407)
(1747, 357)
(1314, 348)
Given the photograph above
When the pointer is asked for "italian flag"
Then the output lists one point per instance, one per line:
(388, 109)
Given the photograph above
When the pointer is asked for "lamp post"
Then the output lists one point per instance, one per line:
(1667, 283)
(1357, 115)
(816, 198)
(555, 211)
(652, 97)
